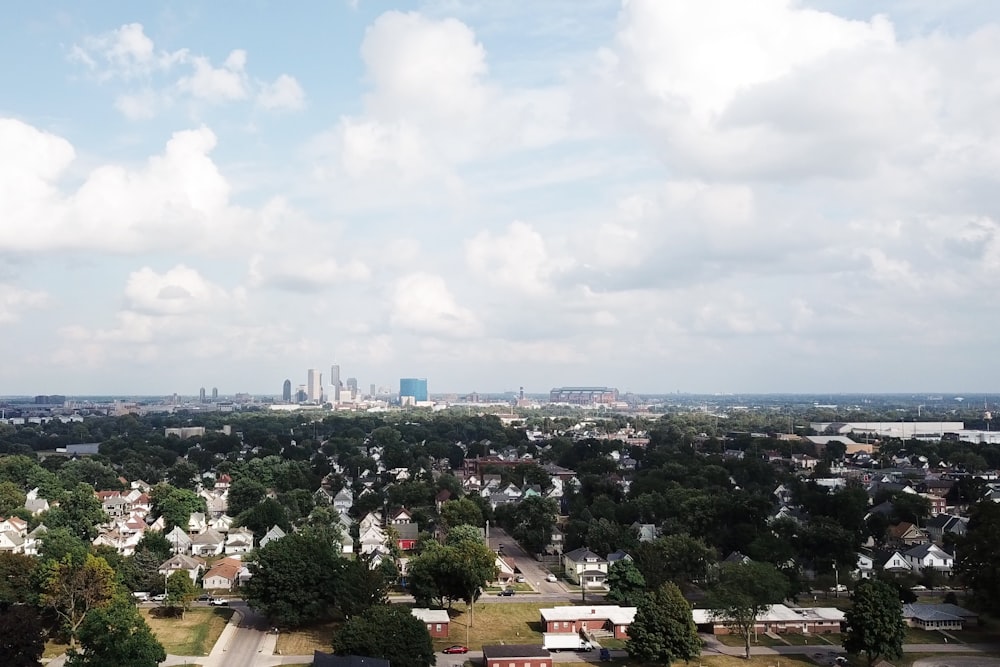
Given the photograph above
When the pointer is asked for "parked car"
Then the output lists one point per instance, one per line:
(507, 592)
(159, 598)
(141, 596)
(839, 588)
(520, 579)
(205, 598)
(457, 648)
(841, 660)
(218, 602)
(551, 579)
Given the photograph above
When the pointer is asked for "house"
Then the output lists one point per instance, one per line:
(33, 540)
(276, 533)
(182, 563)
(865, 567)
(406, 536)
(946, 524)
(616, 556)
(443, 496)
(906, 535)
(804, 461)
(179, 540)
(239, 541)
(401, 517)
(610, 617)
(585, 568)
(222, 523)
(938, 504)
(505, 570)
(209, 543)
(197, 523)
(11, 542)
(556, 541)
(516, 655)
(223, 575)
(113, 503)
(372, 539)
(34, 504)
(14, 524)
(891, 561)
(929, 556)
(646, 532)
(776, 619)
(937, 616)
(436, 621)
(343, 501)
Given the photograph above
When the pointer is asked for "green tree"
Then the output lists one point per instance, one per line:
(183, 475)
(58, 543)
(79, 513)
(473, 565)
(181, 591)
(140, 571)
(157, 543)
(663, 630)
(461, 512)
(744, 592)
(625, 583)
(359, 587)
(11, 498)
(16, 575)
(72, 588)
(875, 625)
(677, 558)
(116, 635)
(979, 554)
(390, 632)
(294, 580)
(21, 640)
(244, 493)
(262, 516)
(175, 505)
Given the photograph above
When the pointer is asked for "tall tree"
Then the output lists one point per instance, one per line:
(473, 565)
(244, 493)
(625, 583)
(979, 554)
(21, 641)
(116, 635)
(294, 580)
(461, 511)
(359, 587)
(11, 497)
(175, 505)
(181, 591)
(79, 513)
(16, 573)
(875, 625)
(663, 630)
(387, 631)
(677, 558)
(744, 592)
(72, 589)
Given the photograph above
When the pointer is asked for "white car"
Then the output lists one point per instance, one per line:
(551, 579)
(159, 598)
(219, 602)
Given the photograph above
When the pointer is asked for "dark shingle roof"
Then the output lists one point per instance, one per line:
(515, 651)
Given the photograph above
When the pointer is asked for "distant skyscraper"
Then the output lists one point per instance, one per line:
(201, 395)
(352, 386)
(335, 382)
(314, 385)
(414, 388)
(371, 390)
(286, 391)
(215, 393)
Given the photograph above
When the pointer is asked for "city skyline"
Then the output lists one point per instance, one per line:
(656, 195)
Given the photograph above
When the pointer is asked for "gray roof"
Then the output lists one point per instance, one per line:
(515, 651)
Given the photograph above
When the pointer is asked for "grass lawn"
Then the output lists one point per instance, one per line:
(514, 623)
(519, 587)
(611, 643)
(918, 636)
(195, 634)
(736, 640)
(306, 640)
(53, 649)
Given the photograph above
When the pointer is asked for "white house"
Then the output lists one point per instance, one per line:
(929, 556)
(584, 567)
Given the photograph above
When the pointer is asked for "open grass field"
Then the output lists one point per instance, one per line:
(306, 640)
(514, 623)
(918, 636)
(195, 634)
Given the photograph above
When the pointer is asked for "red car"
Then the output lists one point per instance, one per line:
(456, 649)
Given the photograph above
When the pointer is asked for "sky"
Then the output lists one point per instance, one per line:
(655, 195)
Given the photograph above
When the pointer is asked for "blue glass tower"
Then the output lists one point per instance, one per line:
(415, 387)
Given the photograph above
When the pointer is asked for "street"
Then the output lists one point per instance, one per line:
(532, 570)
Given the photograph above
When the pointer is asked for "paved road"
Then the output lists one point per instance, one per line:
(532, 570)
(245, 641)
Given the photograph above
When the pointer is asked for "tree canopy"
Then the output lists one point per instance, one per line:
(663, 630)
(387, 631)
(745, 591)
(875, 625)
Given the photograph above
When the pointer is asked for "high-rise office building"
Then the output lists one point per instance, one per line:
(414, 389)
(335, 382)
(314, 385)
(352, 386)
(372, 391)
(215, 393)
(201, 395)
(286, 391)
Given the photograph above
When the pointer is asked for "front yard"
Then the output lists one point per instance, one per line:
(306, 640)
(195, 634)
(496, 623)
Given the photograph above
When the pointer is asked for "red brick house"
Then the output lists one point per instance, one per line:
(608, 617)
(516, 655)
(436, 620)
(406, 536)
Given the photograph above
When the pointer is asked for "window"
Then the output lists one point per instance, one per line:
(437, 627)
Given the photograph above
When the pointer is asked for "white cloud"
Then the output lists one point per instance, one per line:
(217, 84)
(282, 94)
(518, 259)
(179, 291)
(14, 301)
(423, 304)
(178, 199)
(155, 79)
